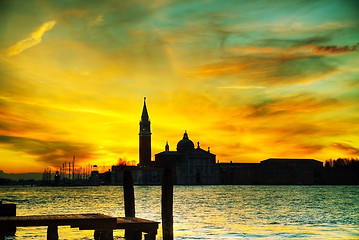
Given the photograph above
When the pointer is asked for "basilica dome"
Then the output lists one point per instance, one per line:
(185, 144)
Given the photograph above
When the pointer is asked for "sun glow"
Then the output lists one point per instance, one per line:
(248, 84)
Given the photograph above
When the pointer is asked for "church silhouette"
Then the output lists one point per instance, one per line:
(192, 165)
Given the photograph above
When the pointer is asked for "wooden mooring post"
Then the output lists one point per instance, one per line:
(129, 200)
(8, 209)
(167, 205)
(103, 234)
(52, 232)
(128, 194)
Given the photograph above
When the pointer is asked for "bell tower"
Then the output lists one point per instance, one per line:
(145, 137)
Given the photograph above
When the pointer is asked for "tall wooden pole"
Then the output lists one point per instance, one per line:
(129, 198)
(7, 210)
(73, 168)
(167, 205)
(128, 194)
(52, 232)
(69, 171)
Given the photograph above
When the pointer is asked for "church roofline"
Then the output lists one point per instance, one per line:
(289, 159)
(169, 153)
(202, 150)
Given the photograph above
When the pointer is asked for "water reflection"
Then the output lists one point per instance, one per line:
(206, 212)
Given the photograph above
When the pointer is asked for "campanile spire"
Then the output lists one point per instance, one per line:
(145, 137)
(144, 116)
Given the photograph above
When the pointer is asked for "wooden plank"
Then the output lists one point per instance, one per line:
(142, 225)
(102, 224)
(133, 220)
(59, 220)
(137, 224)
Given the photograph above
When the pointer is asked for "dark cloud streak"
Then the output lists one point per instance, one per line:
(268, 69)
(286, 42)
(335, 49)
(302, 103)
(52, 153)
(348, 149)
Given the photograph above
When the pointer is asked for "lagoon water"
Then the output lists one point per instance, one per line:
(204, 212)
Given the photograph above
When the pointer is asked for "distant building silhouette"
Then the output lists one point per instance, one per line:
(140, 175)
(290, 171)
(145, 138)
(95, 176)
(273, 171)
(191, 165)
(238, 173)
(194, 166)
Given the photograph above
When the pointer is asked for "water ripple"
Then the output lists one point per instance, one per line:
(205, 212)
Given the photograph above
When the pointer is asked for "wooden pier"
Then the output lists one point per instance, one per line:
(103, 225)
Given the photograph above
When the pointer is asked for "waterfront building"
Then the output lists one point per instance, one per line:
(290, 171)
(238, 173)
(273, 171)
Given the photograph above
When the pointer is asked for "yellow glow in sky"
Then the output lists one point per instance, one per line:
(249, 79)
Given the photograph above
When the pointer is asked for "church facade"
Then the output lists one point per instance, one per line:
(191, 165)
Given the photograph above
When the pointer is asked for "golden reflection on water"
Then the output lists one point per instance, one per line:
(205, 212)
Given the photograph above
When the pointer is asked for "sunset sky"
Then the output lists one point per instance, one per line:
(250, 79)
